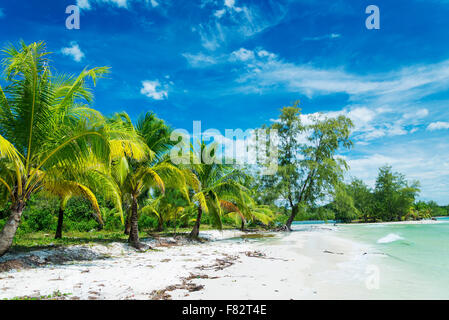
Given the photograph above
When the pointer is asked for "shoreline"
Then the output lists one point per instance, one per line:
(305, 264)
(393, 222)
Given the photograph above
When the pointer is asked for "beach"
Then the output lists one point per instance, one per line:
(310, 263)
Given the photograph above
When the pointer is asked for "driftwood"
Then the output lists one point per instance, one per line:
(327, 251)
(185, 285)
(220, 264)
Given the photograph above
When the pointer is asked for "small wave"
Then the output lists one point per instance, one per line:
(390, 238)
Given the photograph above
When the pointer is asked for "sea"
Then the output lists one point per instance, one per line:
(411, 261)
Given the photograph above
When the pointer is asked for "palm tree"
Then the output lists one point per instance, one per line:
(45, 124)
(167, 207)
(86, 181)
(137, 178)
(66, 189)
(217, 183)
(251, 211)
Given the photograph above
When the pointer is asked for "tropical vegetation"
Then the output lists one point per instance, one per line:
(65, 167)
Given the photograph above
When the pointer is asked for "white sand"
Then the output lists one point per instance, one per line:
(295, 266)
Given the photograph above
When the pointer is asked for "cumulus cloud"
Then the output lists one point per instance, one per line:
(154, 90)
(83, 4)
(219, 13)
(73, 51)
(418, 160)
(242, 55)
(439, 125)
(229, 3)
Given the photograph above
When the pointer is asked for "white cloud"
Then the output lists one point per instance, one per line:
(439, 125)
(387, 88)
(229, 3)
(242, 55)
(211, 35)
(370, 124)
(421, 160)
(199, 60)
(239, 21)
(266, 54)
(74, 51)
(380, 105)
(83, 4)
(152, 89)
(87, 4)
(415, 115)
(220, 13)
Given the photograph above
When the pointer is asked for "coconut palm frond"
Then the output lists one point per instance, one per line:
(201, 198)
(64, 188)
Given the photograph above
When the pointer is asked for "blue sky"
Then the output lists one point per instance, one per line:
(234, 64)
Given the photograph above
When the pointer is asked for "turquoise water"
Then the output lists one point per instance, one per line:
(413, 259)
(313, 222)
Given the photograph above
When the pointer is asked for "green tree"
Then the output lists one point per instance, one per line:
(139, 171)
(393, 195)
(308, 166)
(87, 181)
(217, 183)
(343, 204)
(44, 123)
(363, 198)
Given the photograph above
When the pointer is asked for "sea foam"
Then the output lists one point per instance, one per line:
(391, 237)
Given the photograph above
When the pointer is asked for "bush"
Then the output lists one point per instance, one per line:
(39, 215)
(111, 219)
(280, 220)
(147, 222)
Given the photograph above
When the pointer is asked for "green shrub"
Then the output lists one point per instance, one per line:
(39, 215)
(111, 219)
(279, 220)
(147, 222)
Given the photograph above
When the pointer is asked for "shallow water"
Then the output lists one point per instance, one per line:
(412, 259)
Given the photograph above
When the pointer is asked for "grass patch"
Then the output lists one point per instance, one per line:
(44, 240)
(56, 295)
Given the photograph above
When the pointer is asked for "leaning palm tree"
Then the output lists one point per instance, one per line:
(250, 211)
(45, 124)
(86, 181)
(167, 207)
(64, 189)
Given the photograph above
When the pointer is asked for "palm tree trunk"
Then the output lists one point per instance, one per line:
(196, 228)
(160, 225)
(127, 224)
(10, 228)
(134, 231)
(58, 234)
(243, 225)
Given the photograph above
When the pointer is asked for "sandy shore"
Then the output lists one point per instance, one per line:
(313, 263)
